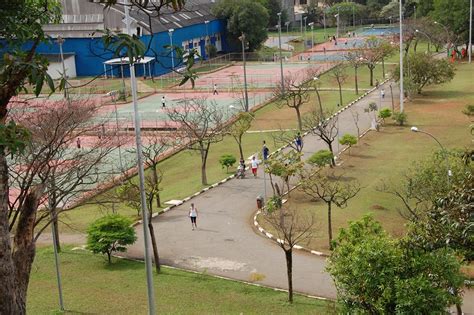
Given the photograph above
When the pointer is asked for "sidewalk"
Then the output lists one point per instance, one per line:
(226, 243)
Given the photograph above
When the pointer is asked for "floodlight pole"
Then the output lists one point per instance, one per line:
(56, 262)
(401, 57)
(279, 46)
(470, 32)
(141, 176)
(66, 92)
(246, 95)
(170, 33)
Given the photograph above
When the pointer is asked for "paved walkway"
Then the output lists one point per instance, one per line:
(226, 243)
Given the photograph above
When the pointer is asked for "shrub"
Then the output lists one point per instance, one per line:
(385, 113)
(321, 158)
(400, 118)
(110, 234)
(227, 160)
(349, 140)
(211, 51)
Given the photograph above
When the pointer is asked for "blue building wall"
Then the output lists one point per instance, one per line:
(90, 54)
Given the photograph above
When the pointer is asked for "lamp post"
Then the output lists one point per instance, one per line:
(312, 34)
(279, 46)
(242, 39)
(448, 37)
(427, 36)
(304, 37)
(206, 44)
(324, 23)
(337, 23)
(415, 129)
(401, 56)
(170, 33)
(66, 92)
(141, 176)
(301, 25)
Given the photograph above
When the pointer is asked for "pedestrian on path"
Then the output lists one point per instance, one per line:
(163, 102)
(78, 143)
(193, 214)
(265, 151)
(215, 90)
(254, 165)
(299, 142)
(382, 93)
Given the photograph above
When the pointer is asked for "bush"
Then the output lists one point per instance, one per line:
(385, 113)
(400, 118)
(321, 158)
(110, 234)
(227, 160)
(211, 51)
(348, 139)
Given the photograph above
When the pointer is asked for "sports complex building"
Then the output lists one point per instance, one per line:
(84, 53)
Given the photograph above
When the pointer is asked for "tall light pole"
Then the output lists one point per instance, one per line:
(301, 25)
(279, 46)
(207, 45)
(324, 23)
(448, 173)
(312, 34)
(170, 33)
(304, 37)
(470, 32)
(56, 258)
(287, 24)
(141, 176)
(337, 23)
(401, 57)
(242, 39)
(66, 92)
(353, 16)
(448, 37)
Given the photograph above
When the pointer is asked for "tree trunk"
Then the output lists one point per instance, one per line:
(414, 46)
(319, 101)
(329, 224)
(298, 116)
(8, 302)
(371, 70)
(333, 161)
(155, 183)
(56, 230)
(356, 80)
(289, 272)
(241, 151)
(24, 245)
(383, 68)
(109, 256)
(156, 256)
(203, 168)
(340, 92)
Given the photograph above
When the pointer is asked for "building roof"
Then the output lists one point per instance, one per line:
(81, 18)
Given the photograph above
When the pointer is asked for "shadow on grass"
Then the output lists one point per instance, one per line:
(119, 264)
(439, 95)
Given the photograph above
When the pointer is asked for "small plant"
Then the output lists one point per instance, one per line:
(468, 110)
(349, 140)
(321, 158)
(385, 113)
(255, 276)
(373, 107)
(400, 118)
(109, 234)
(227, 160)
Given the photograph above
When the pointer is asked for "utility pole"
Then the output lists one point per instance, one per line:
(279, 46)
(470, 32)
(141, 176)
(246, 95)
(401, 57)
(66, 92)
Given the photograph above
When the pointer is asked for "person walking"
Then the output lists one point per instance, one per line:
(382, 93)
(254, 165)
(163, 102)
(299, 142)
(215, 90)
(78, 143)
(265, 151)
(193, 214)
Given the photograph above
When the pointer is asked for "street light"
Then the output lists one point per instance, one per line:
(170, 33)
(448, 37)
(206, 22)
(427, 36)
(324, 23)
(312, 34)
(279, 46)
(287, 24)
(141, 177)
(401, 57)
(337, 23)
(415, 129)
(304, 37)
(242, 39)
(470, 32)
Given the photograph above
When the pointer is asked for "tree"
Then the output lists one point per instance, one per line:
(227, 160)
(273, 8)
(245, 16)
(239, 128)
(293, 94)
(325, 129)
(425, 69)
(400, 117)
(110, 234)
(454, 15)
(21, 31)
(321, 158)
(199, 124)
(349, 140)
(331, 189)
(291, 228)
(356, 59)
(283, 165)
(385, 113)
(372, 54)
(376, 274)
(340, 76)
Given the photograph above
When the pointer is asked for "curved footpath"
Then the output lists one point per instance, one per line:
(226, 242)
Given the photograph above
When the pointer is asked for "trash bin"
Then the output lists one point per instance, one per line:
(260, 202)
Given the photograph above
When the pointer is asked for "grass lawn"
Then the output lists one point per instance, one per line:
(91, 286)
(384, 155)
(182, 171)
